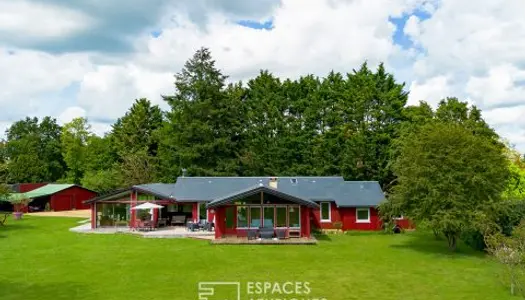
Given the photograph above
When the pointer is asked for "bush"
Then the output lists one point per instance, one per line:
(504, 216)
(510, 251)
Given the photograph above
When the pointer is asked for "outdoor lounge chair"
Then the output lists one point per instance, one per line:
(178, 220)
(281, 233)
(162, 222)
(208, 226)
(251, 234)
(266, 232)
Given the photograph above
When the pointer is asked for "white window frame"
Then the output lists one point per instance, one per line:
(357, 214)
(401, 217)
(329, 220)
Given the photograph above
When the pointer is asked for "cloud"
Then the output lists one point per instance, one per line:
(431, 91)
(31, 82)
(356, 31)
(126, 49)
(71, 113)
(38, 21)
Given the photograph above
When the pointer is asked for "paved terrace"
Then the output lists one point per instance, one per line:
(169, 232)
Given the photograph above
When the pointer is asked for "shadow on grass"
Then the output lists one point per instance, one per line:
(427, 243)
(13, 226)
(322, 237)
(37, 290)
(364, 233)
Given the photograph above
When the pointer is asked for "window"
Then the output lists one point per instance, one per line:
(325, 212)
(242, 216)
(269, 215)
(398, 217)
(294, 217)
(280, 216)
(362, 215)
(293, 180)
(255, 217)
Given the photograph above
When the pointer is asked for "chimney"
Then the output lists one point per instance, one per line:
(184, 172)
(273, 182)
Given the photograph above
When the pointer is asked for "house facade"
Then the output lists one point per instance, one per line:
(237, 204)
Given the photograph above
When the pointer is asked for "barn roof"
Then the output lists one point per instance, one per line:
(48, 189)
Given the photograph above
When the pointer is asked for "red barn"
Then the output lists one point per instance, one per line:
(59, 197)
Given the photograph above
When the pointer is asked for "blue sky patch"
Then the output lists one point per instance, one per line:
(267, 25)
(399, 37)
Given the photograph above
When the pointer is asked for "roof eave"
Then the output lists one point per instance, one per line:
(268, 190)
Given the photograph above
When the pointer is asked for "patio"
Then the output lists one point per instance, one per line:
(165, 232)
(246, 241)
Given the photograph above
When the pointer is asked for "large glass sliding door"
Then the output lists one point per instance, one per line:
(255, 216)
(269, 216)
(280, 216)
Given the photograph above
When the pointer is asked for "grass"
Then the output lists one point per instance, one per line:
(41, 259)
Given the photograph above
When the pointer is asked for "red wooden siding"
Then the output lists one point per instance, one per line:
(27, 187)
(71, 198)
(346, 215)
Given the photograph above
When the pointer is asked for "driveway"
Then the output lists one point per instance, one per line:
(79, 213)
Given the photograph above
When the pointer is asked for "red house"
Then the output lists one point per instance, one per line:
(237, 205)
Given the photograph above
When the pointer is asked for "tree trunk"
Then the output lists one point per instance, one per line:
(436, 233)
(451, 242)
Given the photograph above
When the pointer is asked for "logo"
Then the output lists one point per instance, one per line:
(290, 290)
(219, 290)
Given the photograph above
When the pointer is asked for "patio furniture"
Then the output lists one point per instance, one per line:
(178, 220)
(281, 233)
(163, 222)
(252, 234)
(148, 225)
(266, 232)
(208, 226)
(192, 226)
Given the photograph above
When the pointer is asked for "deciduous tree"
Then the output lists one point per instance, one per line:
(446, 175)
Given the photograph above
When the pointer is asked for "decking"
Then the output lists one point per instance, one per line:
(245, 241)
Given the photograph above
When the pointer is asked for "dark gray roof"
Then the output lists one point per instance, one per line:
(358, 193)
(344, 193)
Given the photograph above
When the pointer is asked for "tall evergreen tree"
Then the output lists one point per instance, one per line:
(375, 103)
(202, 131)
(135, 131)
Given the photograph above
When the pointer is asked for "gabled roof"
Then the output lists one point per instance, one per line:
(358, 193)
(210, 188)
(257, 189)
(48, 189)
(110, 195)
(306, 189)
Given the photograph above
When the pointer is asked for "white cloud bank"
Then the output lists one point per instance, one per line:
(469, 49)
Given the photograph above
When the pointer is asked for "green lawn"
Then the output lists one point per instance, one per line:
(40, 259)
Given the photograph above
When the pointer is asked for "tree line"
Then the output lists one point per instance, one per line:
(342, 124)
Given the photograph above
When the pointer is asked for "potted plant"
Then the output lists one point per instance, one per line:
(144, 215)
(19, 201)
